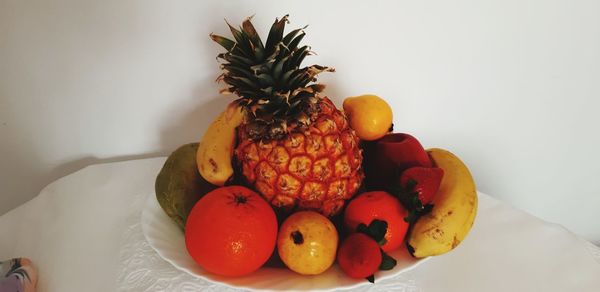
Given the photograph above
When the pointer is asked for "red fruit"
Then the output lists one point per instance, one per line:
(382, 206)
(359, 256)
(391, 155)
(231, 231)
(428, 180)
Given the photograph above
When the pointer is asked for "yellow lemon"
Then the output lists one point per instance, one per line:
(369, 115)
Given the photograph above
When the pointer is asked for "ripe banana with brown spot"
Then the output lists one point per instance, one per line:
(454, 209)
(216, 147)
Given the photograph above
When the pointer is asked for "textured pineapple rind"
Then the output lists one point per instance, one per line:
(317, 169)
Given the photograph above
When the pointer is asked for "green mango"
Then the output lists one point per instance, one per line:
(179, 184)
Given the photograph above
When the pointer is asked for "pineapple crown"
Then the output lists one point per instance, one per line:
(279, 96)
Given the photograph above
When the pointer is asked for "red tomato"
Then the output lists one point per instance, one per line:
(383, 206)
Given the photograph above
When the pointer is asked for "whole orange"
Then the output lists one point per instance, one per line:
(231, 231)
(378, 205)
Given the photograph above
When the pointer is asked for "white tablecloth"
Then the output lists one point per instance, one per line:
(83, 233)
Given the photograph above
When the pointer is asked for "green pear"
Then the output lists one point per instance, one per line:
(179, 184)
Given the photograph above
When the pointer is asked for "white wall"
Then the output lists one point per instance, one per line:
(512, 87)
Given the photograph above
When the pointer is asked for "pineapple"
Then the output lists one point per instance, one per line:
(294, 147)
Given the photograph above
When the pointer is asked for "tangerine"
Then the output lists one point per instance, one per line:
(382, 206)
(231, 231)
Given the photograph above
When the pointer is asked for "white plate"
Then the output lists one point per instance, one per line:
(168, 241)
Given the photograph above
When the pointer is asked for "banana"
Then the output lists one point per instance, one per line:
(454, 209)
(216, 147)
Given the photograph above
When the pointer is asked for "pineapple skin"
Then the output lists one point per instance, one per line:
(317, 169)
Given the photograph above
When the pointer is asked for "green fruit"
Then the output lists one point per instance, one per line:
(179, 185)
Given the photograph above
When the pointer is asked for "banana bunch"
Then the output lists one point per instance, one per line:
(216, 147)
(454, 211)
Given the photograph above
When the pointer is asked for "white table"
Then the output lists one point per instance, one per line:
(83, 232)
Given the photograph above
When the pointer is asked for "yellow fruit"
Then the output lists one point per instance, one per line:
(307, 243)
(216, 147)
(454, 209)
(370, 116)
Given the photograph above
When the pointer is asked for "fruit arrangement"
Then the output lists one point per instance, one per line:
(283, 175)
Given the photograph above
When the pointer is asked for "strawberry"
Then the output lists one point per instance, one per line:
(424, 181)
(360, 254)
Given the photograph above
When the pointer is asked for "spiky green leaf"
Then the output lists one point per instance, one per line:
(223, 41)
(294, 43)
(290, 36)
(275, 34)
(269, 79)
(250, 31)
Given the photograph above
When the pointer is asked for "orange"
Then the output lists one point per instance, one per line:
(378, 205)
(231, 231)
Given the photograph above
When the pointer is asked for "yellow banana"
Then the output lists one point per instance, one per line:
(216, 147)
(454, 209)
